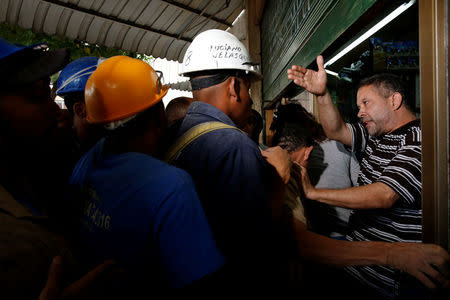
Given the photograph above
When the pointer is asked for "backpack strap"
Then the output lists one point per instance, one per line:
(191, 135)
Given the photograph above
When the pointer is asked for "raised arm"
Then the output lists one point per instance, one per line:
(316, 83)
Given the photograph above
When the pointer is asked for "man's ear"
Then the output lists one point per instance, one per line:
(233, 88)
(79, 108)
(307, 153)
(396, 100)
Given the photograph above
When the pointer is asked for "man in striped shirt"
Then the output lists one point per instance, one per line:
(387, 200)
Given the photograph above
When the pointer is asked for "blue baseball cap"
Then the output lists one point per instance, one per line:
(21, 65)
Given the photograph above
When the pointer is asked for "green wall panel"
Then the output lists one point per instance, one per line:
(296, 31)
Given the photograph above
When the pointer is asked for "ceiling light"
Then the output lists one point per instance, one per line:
(332, 73)
(337, 75)
(371, 31)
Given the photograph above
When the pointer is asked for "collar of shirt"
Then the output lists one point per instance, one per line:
(399, 131)
(202, 108)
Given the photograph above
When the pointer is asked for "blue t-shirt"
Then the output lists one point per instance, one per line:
(232, 180)
(145, 214)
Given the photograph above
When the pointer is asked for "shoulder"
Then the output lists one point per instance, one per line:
(228, 140)
(356, 127)
(225, 153)
(407, 136)
(413, 133)
(360, 136)
(238, 144)
(162, 171)
(179, 178)
(331, 145)
(333, 149)
(164, 184)
(144, 171)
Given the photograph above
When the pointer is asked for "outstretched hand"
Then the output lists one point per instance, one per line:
(314, 82)
(423, 261)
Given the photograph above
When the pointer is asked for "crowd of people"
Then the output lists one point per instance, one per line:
(118, 196)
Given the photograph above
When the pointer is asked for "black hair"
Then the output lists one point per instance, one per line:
(208, 78)
(256, 122)
(71, 98)
(140, 123)
(176, 108)
(294, 113)
(292, 136)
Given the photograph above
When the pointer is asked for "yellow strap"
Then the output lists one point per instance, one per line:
(192, 134)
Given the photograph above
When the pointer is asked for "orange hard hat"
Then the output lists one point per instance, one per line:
(120, 88)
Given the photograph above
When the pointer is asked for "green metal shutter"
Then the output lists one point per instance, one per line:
(295, 32)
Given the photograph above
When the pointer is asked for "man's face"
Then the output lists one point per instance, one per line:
(80, 127)
(29, 117)
(374, 110)
(243, 107)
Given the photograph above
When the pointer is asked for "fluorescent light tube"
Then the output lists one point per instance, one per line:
(371, 31)
(332, 73)
(337, 75)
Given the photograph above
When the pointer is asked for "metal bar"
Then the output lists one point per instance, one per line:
(434, 120)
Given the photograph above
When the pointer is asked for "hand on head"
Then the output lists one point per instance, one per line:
(306, 183)
(281, 160)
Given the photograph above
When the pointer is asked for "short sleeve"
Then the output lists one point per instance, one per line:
(360, 136)
(404, 173)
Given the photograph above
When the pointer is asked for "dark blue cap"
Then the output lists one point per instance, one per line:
(21, 65)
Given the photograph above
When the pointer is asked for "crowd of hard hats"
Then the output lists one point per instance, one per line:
(119, 87)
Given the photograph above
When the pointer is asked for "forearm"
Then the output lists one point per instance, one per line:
(331, 120)
(372, 196)
(328, 251)
(423, 261)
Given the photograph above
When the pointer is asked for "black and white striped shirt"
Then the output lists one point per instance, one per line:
(395, 160)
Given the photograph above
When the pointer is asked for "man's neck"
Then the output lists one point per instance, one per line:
(407, 118)
(147, 145)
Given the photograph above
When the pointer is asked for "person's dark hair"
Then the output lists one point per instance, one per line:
(204, 79)
(292, 136)
(176, 108)
(255, 121)
(387, 84)
(293, 113)
(71, 98)
(139, 124)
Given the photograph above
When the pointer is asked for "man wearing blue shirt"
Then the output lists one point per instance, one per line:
(233, 180)
(139, 210)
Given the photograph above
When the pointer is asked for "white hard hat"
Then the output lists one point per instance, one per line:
(216, 49)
